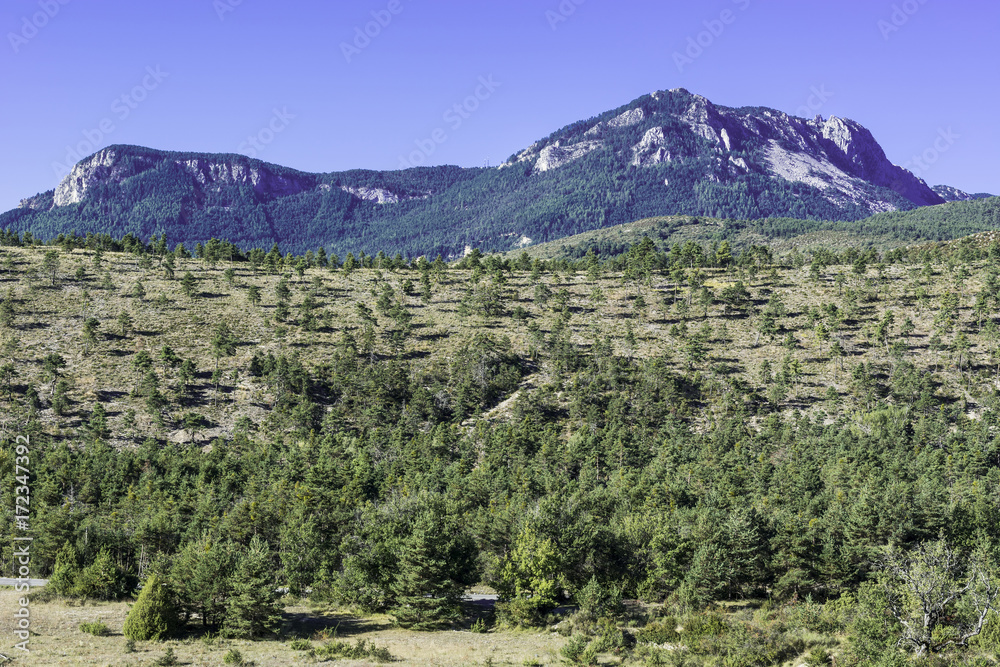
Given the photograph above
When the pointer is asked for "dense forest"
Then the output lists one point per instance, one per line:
(711, 454)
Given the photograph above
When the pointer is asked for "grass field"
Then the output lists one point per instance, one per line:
(57, 640)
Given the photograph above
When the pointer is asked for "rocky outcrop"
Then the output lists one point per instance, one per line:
(102, 166)
(40, 202)
(114, 164)
(377, 195)
(624, 119)
(949, 193)
(652, 149)
(265, 183)
(866, 160)
(555, 155)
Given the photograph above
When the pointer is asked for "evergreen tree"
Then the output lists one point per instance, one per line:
(154, 616)
(436, 564)
(201, 575)
(252, 609)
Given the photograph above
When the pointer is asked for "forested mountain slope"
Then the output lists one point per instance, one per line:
(667, 153)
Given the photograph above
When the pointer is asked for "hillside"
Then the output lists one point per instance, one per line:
(885, 231)
(667, 153)
(734, 440)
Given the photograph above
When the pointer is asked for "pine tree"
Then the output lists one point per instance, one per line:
(189, 285)
(201, 574)
(435, 566)
(253, 608)
(62, 581)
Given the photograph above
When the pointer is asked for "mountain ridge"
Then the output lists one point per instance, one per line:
(667, 153)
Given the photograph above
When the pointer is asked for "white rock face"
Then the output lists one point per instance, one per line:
(377, 195)
(651, 150)
(555, 156)
(739, 163)
(74, 186)
(821, 174)
(628, 119)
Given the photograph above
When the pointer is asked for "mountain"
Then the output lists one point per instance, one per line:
(949, 193)
(667, 153)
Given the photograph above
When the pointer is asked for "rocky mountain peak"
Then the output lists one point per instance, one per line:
(836, 155)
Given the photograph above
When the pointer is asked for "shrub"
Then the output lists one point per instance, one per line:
(300, 645)
(97, 628)
(359, 651)
(167, 659)
(663, 631)
(234, 657)
(578, 650)
(154, 615)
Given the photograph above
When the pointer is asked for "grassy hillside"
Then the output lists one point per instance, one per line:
(735, 442)
(884, 231)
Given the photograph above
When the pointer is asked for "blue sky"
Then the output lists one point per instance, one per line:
(299, 83)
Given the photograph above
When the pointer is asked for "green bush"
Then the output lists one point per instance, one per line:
(663, 631)
(168, 659)
(577, 650)
(154, 615)
(235, 658)
(97, 628)
(358, 651)
(300, 645)
(703, 625)
(818, 657)
(612, 639)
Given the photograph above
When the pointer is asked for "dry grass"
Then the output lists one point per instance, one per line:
(57, 640)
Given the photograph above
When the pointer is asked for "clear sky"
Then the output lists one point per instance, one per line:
(316, 93)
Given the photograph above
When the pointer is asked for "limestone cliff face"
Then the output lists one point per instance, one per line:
(836, 155)
(115, 164)
(98, 167)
